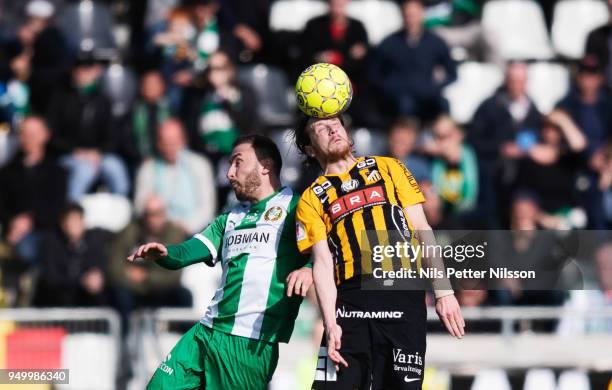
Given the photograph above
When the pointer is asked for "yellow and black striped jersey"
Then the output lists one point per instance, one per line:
(341, 208)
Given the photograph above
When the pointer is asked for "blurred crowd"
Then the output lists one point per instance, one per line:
(143, 100)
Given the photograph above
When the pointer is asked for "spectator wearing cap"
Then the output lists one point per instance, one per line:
(84, 134)
(498, 126)
(50, 60)
(550, 165)
(180, 177)
(590, 106)
(412, 66)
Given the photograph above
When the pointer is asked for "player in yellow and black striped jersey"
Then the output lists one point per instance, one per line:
(369, 197)
(383, 332)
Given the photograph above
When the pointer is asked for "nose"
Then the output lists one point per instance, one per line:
(230, 172)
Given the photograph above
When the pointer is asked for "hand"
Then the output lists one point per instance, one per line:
(449, 311)
(559, 118)
(299, 281)
(249, 37)
(20, 226)
(334, 334)
(183, 78)
(93, 281)
(150, 251)
(90, 155)
(136, 274)
(511, 150)
(358, 51)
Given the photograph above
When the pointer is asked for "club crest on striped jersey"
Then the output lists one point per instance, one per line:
(273, 214)
(350, 185)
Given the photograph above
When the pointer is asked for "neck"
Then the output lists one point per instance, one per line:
(339, 166)
(588, 97)
(34, 157)
(265, 190)
(338, 18)
(414, 32)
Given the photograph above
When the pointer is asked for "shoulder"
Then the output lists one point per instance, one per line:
(392, 40)
(599, 32)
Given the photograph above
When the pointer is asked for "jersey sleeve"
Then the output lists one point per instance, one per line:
(406, 187)
(212, 237)
(310, 227)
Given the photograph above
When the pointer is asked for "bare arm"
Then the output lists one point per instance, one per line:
(447, 307)
(325, 287)
(574, 136)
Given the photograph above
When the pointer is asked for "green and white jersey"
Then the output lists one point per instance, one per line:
(257, 249)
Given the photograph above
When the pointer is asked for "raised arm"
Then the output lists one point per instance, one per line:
(174, 257)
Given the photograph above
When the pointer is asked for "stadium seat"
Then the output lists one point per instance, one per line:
(291, 172)
(475, 82)
(491, 379)
(87, 356)
(572, 22)
(540, 379)
(119, 84)
(202, 281)
(369, 143)
(573, 380)
(547, 83)
(106, 211)
(292, 15)
(517, 28)
(88, 25)
(275, 99)
(372, 12)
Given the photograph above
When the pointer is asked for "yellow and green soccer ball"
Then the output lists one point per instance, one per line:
(323, 90)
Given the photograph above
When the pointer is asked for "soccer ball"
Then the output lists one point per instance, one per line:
(323, 90)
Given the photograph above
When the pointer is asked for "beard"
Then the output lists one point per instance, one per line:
(339, 150)
(244, 191)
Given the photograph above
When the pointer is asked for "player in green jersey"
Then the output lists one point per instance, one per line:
(235, 344)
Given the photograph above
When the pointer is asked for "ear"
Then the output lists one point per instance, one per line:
(309, 151)
(266, 165)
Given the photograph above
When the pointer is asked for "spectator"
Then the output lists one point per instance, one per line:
(549, 166)
(454, 169)
(73, 268)
(343, 41)
(589, 105)
(528, 248)
(146, 284)
(50, 59)
(219, 112)
(500, 123)
(182, 178)
(176, 44)
(213, 34)
(406, 67)
(33, 191)
(148, 113)
(403, 139)
(249, 22)
(597, 44)
(605, 182)
(83, 132)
